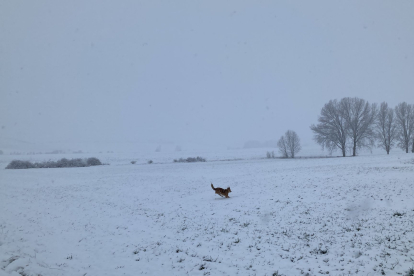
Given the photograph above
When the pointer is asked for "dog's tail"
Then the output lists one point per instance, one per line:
(213, 187)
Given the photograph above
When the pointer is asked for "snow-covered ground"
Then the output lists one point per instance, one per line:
(336, 216)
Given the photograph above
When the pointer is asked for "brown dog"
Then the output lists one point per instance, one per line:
(222, 192)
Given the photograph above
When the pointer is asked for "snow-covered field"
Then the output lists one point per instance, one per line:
(336, 216)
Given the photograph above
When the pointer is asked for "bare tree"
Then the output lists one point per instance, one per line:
(283, 148)
(404, 114)
(386, 127)
(360, 119)
(289, 145)
(331, 131)
(293, 143)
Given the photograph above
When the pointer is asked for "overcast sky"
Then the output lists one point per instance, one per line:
(195, 71)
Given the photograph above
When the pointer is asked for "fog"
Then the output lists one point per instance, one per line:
(202, 72)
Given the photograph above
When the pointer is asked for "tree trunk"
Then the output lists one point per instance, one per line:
(343, 152)
(354, 150)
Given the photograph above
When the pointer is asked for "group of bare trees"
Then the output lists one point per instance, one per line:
(353, 123)
(289, 144)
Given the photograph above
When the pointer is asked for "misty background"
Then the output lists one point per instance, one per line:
(207, 73)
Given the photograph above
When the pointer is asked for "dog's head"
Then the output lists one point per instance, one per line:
(228, 189)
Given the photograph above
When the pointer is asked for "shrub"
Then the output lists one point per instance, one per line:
(150, 162)
(93, 161)
(62, 163)
(133, 162)
(410, 272)
(398, 214)
(18, 164)
(190, 159)
(65, 163)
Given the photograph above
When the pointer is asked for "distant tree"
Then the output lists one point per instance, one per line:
(360, 121)
(404, 114)
(283, 149)
(331, 131)
(1, 152)
(289, 145)
(293, 143)
(386, 127)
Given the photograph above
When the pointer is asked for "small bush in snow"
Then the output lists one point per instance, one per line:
(270, 154)
(62, 163)
(93, 161)
(190, 159)
(410, 272)
(150, 162)
(133, 162)
(18, 164)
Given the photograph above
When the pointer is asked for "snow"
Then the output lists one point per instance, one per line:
(342, 216)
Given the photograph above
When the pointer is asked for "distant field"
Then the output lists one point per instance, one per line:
(341, 216)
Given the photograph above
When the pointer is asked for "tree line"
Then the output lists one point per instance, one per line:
(353, 124)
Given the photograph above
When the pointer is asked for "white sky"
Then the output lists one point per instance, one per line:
(195, 71)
